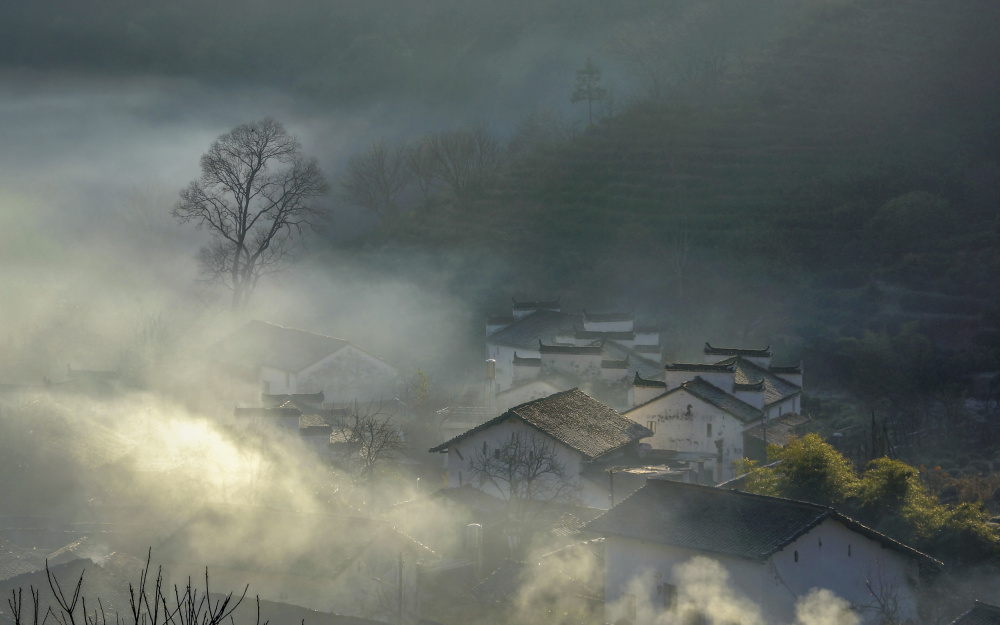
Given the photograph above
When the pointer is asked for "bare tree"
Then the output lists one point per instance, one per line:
(371, 431)
(254, 196)
(420, 161)
(467, 160)
(376, 177)
(646, 48)
(525, 471)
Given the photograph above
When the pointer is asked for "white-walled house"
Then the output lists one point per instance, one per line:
(774, 551)
(706, 408)
(699, 417)
(290, 361)
(599, 348)
(581, 430)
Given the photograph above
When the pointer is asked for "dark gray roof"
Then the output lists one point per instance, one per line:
(501, 585)
(736, 351)
(16, 560)
(594, 334)
(537, 305)
(98, 582)
(700, 367)
(265, 344)
(775, 388)
(594, 349)
(640, 381)
(980, 614)
(573, 418)
(729, 522)
(528, 330)
(526, 362)
(720, 399)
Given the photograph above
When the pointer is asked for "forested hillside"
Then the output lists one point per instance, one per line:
(831, 188)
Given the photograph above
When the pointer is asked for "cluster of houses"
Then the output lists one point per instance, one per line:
(589, 442)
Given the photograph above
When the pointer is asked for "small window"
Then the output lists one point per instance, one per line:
(652, 426)
(848, 551)
(628, 603)
(288, 379)
(796, 556)
(820, 541)
(484, 447)
(708, 429)
(496, 453)
(460, 478)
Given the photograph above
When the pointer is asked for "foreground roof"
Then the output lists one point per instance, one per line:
(573, 418)
(980, 614)
(259, 343)
(726, 522)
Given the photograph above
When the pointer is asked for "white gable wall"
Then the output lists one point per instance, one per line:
(696, 429)
(525, 393)
(460, 454)
(348, 375)
(824, 562)
(723, 379)
(785, 406)
(636, 567)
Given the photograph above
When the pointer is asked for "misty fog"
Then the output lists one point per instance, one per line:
(819, 177)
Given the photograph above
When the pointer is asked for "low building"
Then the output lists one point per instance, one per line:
(773, 551)
(282, 361)
(573, 428)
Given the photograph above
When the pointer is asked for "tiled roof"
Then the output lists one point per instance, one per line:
(640, 381)
(698, 367)
(98, 582)
(499, 321)
(550, 305)
(527, 331)
(314, 424)
(779, 431)
(728, 522)
(593, 334)
(573, 418)
(735, 351)
(646, 328)
(16, 560)
(615, 316)
(980, 614)
(775, 388)
(753, 387)
(595, 349)
(791, 369)
(265, 344)
(717, 397)
(526, 362)
(501, 585)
